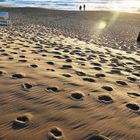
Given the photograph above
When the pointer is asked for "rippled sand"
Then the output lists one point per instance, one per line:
(54, 87)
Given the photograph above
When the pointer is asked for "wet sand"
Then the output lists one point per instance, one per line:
(56, 85)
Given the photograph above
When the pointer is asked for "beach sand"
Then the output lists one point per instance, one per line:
(62, 78)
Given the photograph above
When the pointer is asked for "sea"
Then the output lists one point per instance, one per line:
(120, 5)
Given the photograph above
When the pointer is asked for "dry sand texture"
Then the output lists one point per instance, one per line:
(58, 88)
(120, 32)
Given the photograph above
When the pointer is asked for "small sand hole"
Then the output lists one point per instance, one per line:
(77, 96)
(133, 94)
(99, 75)
(50, 63)
(56, 132)
(66, 67)
(33, 65)
(22, 121)
(133, 106)
(27, 86)
(108, 88)
(89, 79)
(121, 83)
(52, 89)
(17, 76)
(105, 99)
(80, 73)
(132, 79)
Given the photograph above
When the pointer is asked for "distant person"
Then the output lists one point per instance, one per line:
(138, 39)
(80, 7)
(84, 7)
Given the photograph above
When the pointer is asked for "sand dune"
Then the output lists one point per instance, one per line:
(60, 88)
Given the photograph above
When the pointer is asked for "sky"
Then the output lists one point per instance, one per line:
(128, 5)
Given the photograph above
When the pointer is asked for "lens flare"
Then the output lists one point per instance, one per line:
(101, 25)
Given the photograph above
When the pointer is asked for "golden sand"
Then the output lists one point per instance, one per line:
(60, 88)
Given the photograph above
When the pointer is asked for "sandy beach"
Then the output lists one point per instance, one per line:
(69, 75)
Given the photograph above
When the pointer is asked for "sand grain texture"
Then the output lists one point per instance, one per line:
(60, 88)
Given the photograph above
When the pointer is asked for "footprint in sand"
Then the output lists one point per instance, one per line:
(81, 64)
(18, 76)
(2, 72)
(56, 133)
(108, 88)
(68, 60)
(77, 96)
(23, 51)
(5, 54)
(97, 137)
(122, 83)
(58, 57)
(13, 53)
(114, 71)
(97, 68)
(23, 61)
(50, 63)
(133, 94)
(96, 64)
(132, 79)
(66, 51)
(53, 89)
(22, 56)
(22, 121)
(66, 67)
(52, 70)
(100, 75)
(136, 74)
(2, 50)
(80, 73)
(103, 60)
(105, 99)
(89, 80)
(66, 75)
(15, 48)
(66, 56)
(44, 55)
(90, 57)
(33, 66)
(26, 46)
(133, 106)
(55, 52)
(8, 47)
(26, 86)
(11, 58)
(81, 59)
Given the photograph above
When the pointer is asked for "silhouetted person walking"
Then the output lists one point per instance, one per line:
(138, 39)
(80, 7)
(84, 7)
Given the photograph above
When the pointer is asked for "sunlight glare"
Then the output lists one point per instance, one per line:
(101, 25)
(127, 5)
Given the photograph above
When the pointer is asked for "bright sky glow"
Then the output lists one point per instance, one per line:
(127, 5)
(101, 25)
(117, 5)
